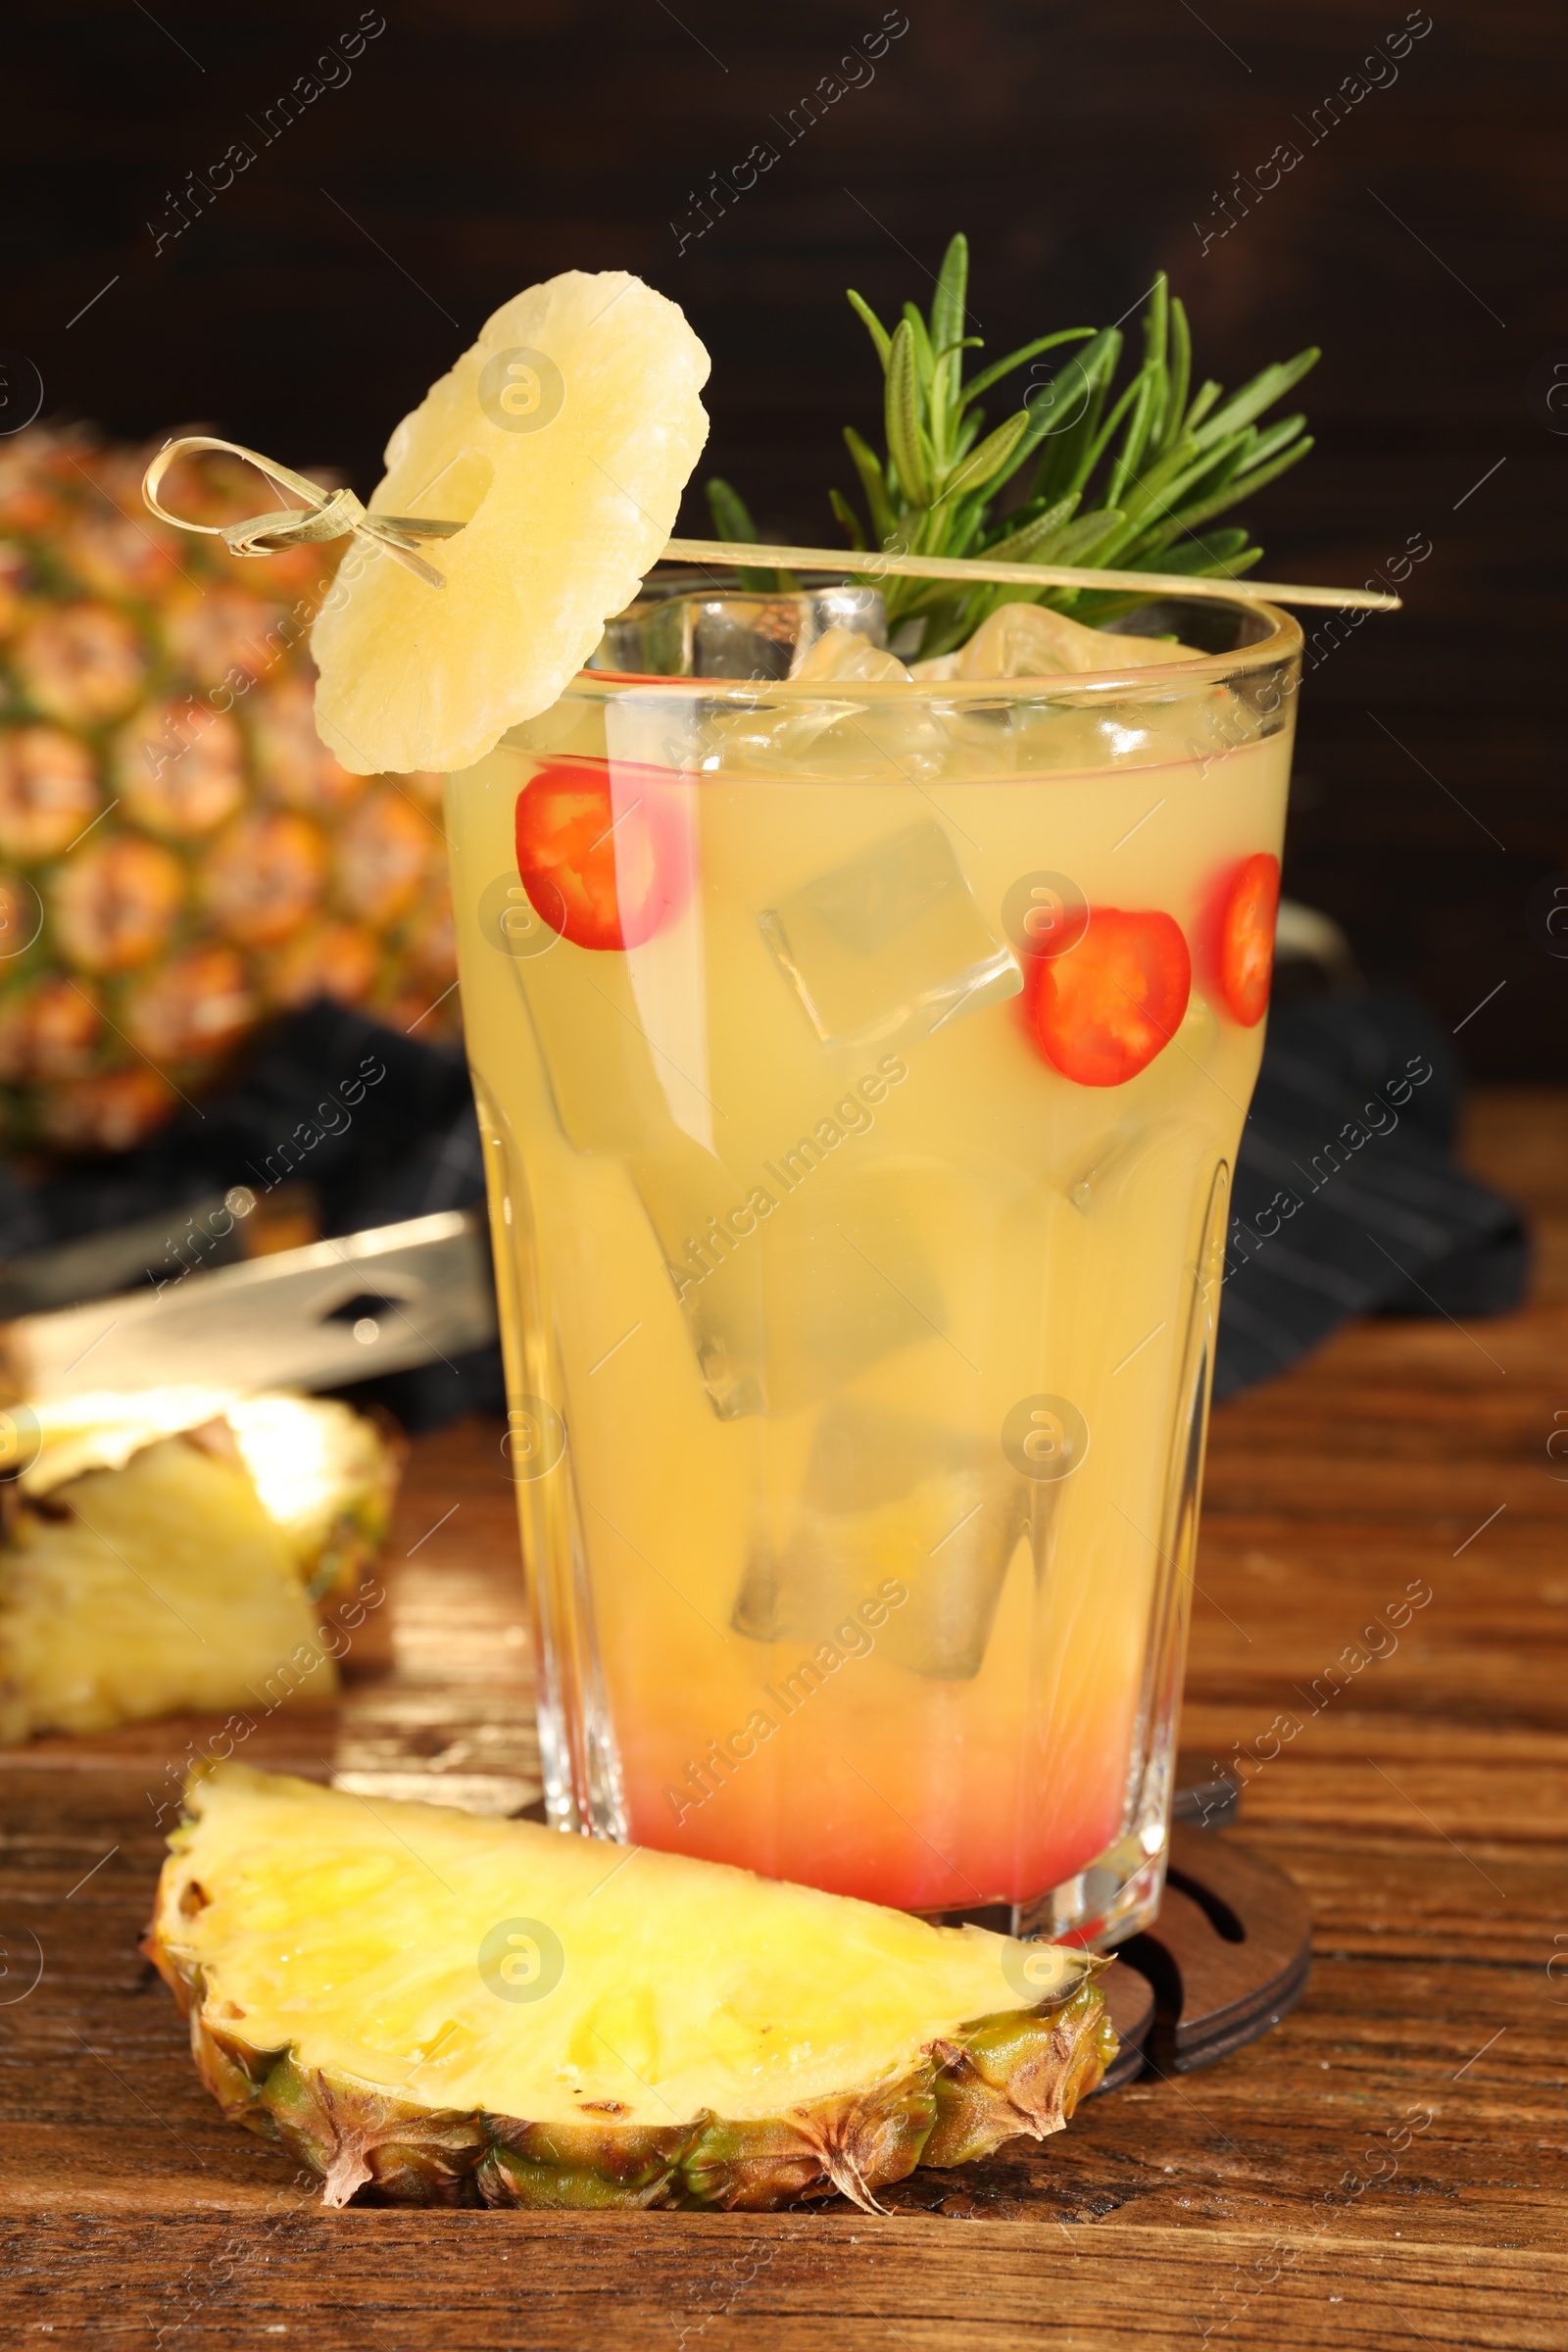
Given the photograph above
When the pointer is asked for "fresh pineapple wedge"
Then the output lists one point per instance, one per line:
(561, 442)
(178, 1551)
(327, 1475)
(457, 2011)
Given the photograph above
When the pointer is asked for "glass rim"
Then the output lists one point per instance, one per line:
(1282, 641)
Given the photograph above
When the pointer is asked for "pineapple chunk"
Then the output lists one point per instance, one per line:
(159, 1588)
(167, 1548)
(328, 1474)
(561, 440)
(466, 2010)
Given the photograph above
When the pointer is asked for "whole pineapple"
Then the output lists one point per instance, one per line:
(179, 855)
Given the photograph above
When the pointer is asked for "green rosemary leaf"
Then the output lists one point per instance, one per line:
(1216, 546)
(1156, 321)
(905, 439)
(1205, 471)
(1065, 414)
(1107, 433)
(872, 325)
(968, 435)
(1015, 358)
(1265, 388)
(944, 373)
(1021, 546)
(952, 286)
(1194, 556)
(1181, 370)
(1075, 541)
(1158, 482)
(1203, 400)
(1080, 541)
(729, 512)
(925, 357)
(1117, 474)
(1149, 390)
(1275, 438)
(1207, 558)
(1255, 481)
(1070, 422)
(869, 469)
(848, 518)
(967, 522)
(985, 463)
(732, 519)
(1209, 471)
(1156, 343)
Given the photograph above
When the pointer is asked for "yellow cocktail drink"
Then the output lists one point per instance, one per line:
(860, 1069)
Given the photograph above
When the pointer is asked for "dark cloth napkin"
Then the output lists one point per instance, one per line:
(1347, 1200)
(306, 1108)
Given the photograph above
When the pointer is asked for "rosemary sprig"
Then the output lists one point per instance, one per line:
(1080, 473)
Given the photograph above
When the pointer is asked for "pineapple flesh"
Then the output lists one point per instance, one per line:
(561, 441)
(178, 1552)
(448, 2010)
(180, 856)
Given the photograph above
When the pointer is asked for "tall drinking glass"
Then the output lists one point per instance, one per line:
(860, 1068)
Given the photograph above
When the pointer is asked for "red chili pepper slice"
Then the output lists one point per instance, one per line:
(1101, 1013)
(604, 849)
(1244, 933)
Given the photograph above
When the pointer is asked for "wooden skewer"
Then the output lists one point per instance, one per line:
(331, 515)
(867, 565)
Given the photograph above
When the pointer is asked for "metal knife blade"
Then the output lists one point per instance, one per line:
(317, 1317)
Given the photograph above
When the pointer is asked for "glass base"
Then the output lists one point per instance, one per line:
(1110, 1898)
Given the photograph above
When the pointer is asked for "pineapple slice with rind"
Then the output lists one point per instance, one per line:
(459, 2011)
(164, 1587)
(561, 441)
(180, 1548)
(327, 1475)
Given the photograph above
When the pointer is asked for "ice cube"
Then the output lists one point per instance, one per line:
(890, 1499)
(605, 1076)
(612, 1096)
(845, 653)
(891, 942)
(714, 1259)
(826, 1284)
(831, 733)
(1156, 1154)
(794, 1275)
(1028, 640)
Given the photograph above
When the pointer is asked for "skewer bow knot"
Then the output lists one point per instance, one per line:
(326, 514)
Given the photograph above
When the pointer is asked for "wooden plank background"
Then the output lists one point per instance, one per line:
(1424, 1810)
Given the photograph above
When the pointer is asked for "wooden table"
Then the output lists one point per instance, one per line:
(1425, 1811)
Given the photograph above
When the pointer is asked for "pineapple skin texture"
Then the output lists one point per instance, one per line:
(964, 2092)
(164, 1589)
(999, 2078)
(180, 857)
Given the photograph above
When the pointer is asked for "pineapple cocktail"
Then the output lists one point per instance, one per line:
(862, 1052)
(861, 1062)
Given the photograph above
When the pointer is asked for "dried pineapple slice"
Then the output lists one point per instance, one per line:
(561, 441)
